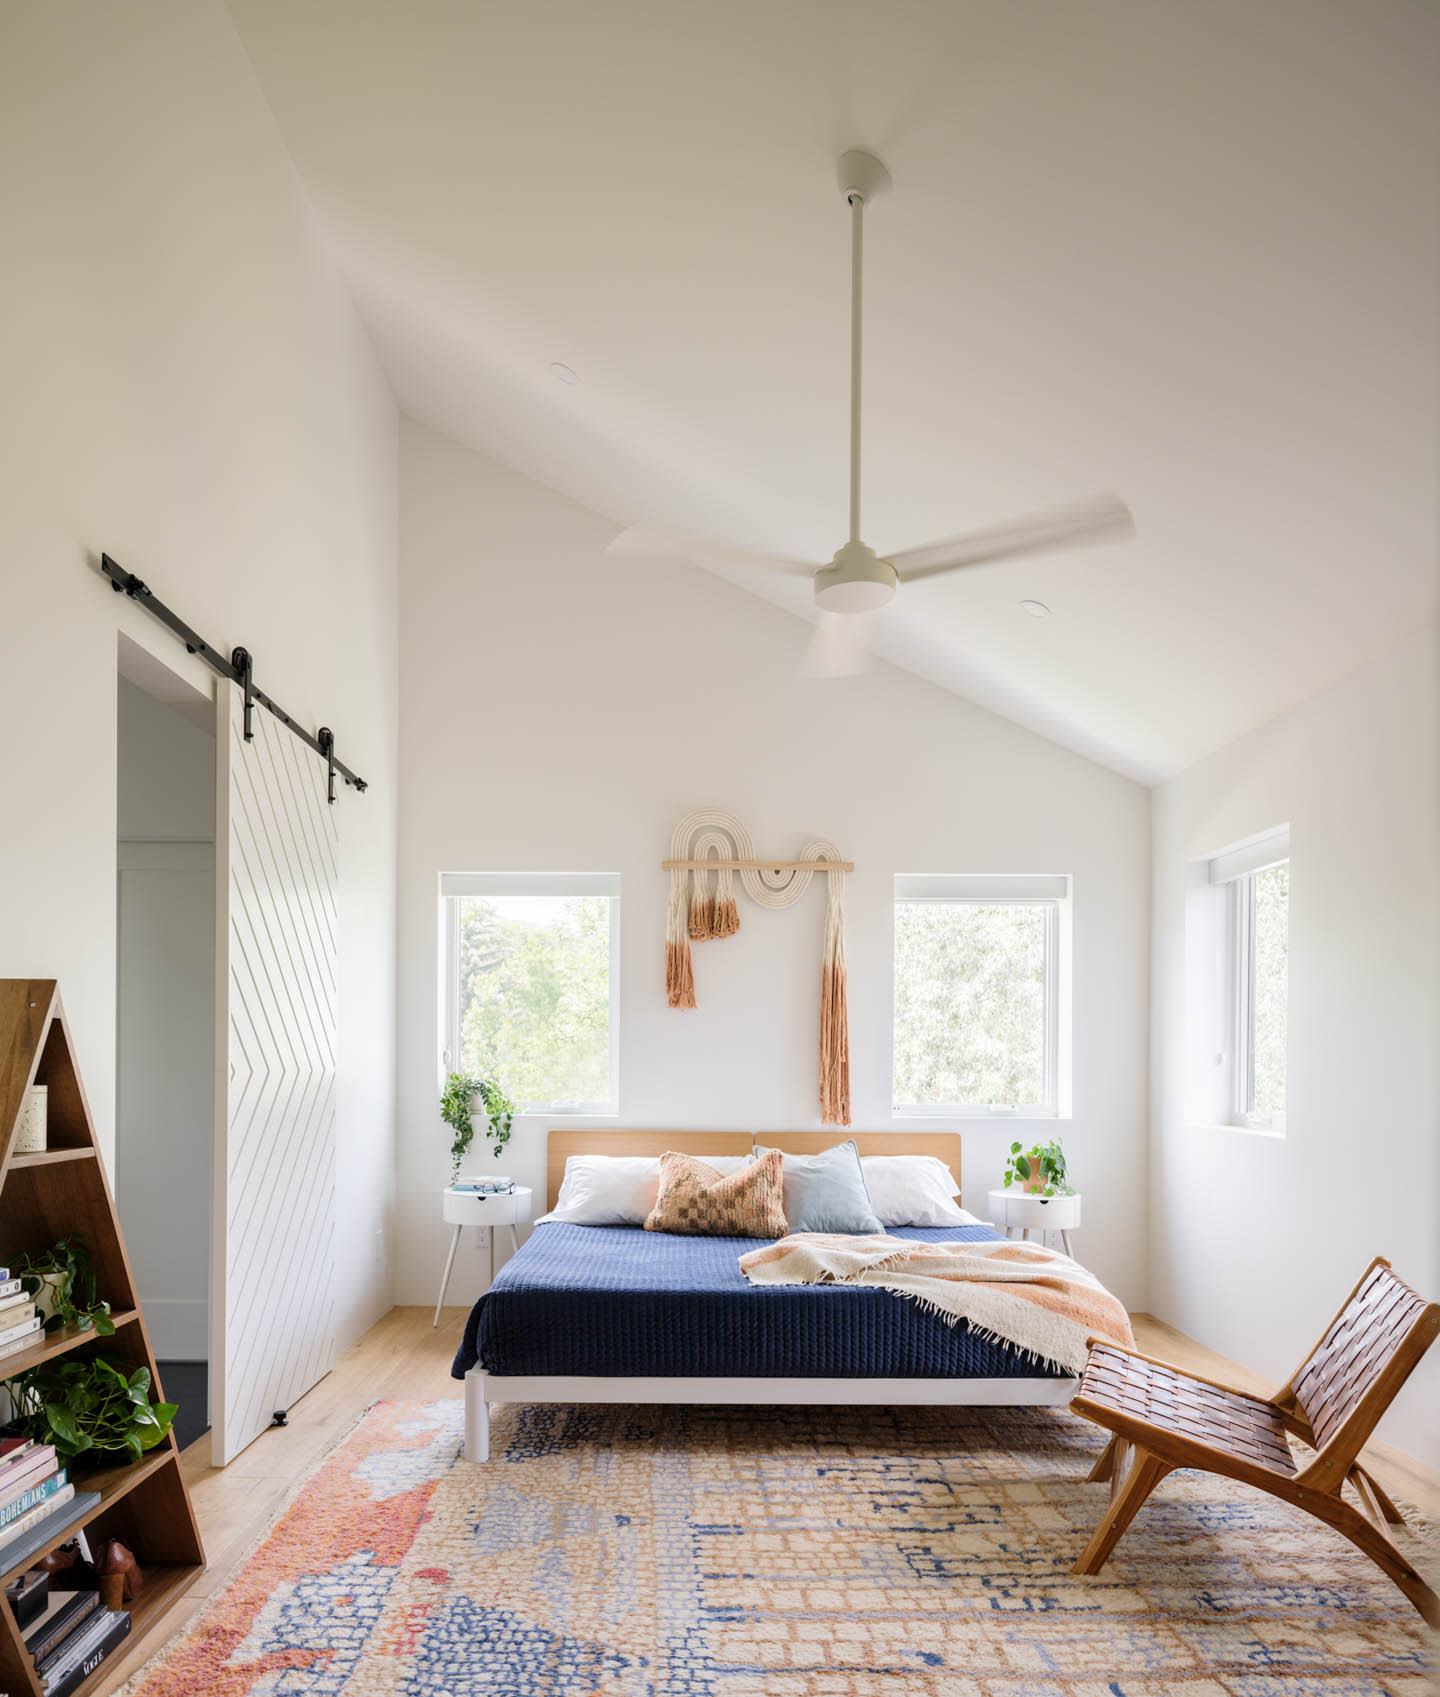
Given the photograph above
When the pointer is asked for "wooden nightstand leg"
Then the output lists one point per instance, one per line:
(514, 1240)
(1065, 1239)
(445, 1281)
(490, 1238)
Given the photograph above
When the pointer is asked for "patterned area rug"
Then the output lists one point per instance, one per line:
(686, 1552)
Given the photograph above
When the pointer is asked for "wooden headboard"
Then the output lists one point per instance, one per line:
(562, 1143)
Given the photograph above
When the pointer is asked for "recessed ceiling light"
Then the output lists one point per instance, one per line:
(1036, 609)
(563, 373)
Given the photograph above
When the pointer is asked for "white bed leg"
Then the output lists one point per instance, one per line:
(477, 1416)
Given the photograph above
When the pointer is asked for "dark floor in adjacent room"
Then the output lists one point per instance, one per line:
(187, 1383)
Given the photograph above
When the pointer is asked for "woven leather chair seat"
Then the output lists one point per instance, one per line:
(1224, 1420)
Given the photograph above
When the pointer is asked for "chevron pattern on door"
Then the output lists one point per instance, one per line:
(277, 1314)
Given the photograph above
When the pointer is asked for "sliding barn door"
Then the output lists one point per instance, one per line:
(275, 1181)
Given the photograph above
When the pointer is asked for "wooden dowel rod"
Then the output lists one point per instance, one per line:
(757, 865)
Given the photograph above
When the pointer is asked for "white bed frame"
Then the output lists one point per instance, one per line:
(484, 1391)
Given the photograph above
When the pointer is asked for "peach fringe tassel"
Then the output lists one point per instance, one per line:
(834, 1047)
(702, 919)
(679, 976)
(713, 916)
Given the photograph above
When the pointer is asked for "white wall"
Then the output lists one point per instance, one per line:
(1255, 1241)
(560, 711)
(166, 765)
(188, 388)
(165, 1032)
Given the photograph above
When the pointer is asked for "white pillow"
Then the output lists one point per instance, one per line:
(616, 1190)
(913, 1190)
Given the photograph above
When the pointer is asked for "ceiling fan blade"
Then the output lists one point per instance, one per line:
(1106, 519)
(654, 542)
(835, 650)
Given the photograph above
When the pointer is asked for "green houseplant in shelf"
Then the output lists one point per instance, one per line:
(463, 1101)
(1038, 1170)
(62, 1283)
(98, 1409)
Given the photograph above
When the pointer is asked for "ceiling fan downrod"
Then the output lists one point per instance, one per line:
(857, 579)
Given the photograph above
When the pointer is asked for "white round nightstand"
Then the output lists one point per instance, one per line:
(1014, 1210)
(464, 1208)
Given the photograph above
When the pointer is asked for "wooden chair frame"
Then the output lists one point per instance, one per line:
(1332, 1402)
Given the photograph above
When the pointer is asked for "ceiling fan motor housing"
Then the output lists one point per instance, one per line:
(857, 580)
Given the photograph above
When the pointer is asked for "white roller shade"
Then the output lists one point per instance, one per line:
(980, 887)
(1268, 849)
(529, 883)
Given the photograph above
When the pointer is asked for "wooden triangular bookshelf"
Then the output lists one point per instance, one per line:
(46, 1196)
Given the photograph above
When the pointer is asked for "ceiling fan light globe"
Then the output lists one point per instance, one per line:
(852, 597)
(857, 580)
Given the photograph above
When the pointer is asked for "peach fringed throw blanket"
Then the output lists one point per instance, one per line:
(1034, 1298)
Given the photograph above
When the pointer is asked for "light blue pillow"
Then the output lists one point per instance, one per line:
(826, 1193)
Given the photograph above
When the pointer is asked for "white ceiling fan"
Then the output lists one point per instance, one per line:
(858, 580)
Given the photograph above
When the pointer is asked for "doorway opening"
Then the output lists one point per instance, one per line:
(165, 1025)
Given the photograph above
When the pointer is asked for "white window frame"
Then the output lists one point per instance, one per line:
(1053, 892)
(1236, 869)
(455, 885)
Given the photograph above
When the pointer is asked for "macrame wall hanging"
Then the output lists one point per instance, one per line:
(711, 844)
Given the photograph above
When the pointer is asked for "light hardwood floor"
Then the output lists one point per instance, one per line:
(402, 1358)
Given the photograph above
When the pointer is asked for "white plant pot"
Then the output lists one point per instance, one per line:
(479, 1126)
(47, 1298)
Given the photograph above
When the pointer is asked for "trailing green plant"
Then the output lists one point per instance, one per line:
(455, 1111)
(94, 1407)
(1040, 1160)
(66, 1268)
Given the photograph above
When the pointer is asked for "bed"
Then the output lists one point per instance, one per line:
(596, 1314)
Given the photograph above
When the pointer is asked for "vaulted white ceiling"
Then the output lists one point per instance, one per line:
(1189, 253)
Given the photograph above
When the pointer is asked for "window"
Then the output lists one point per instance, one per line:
(531, 985)
(1257, 880)
(981, 995)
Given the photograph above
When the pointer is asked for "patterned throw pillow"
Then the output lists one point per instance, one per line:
(700, 1202)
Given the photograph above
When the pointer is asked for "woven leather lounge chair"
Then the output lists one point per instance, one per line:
(1163, 1419)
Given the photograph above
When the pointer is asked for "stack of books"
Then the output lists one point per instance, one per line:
(475, 1185)
(71, 1639)
(68, 1633)
(32, 1488)
(19, 1322)
(36, 1499)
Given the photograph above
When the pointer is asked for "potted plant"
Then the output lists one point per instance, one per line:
(99, 1409)
(464, 1101)
(62, 1283)
(1039, 1170)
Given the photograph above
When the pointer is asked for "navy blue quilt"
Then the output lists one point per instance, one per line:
(618, 1301)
